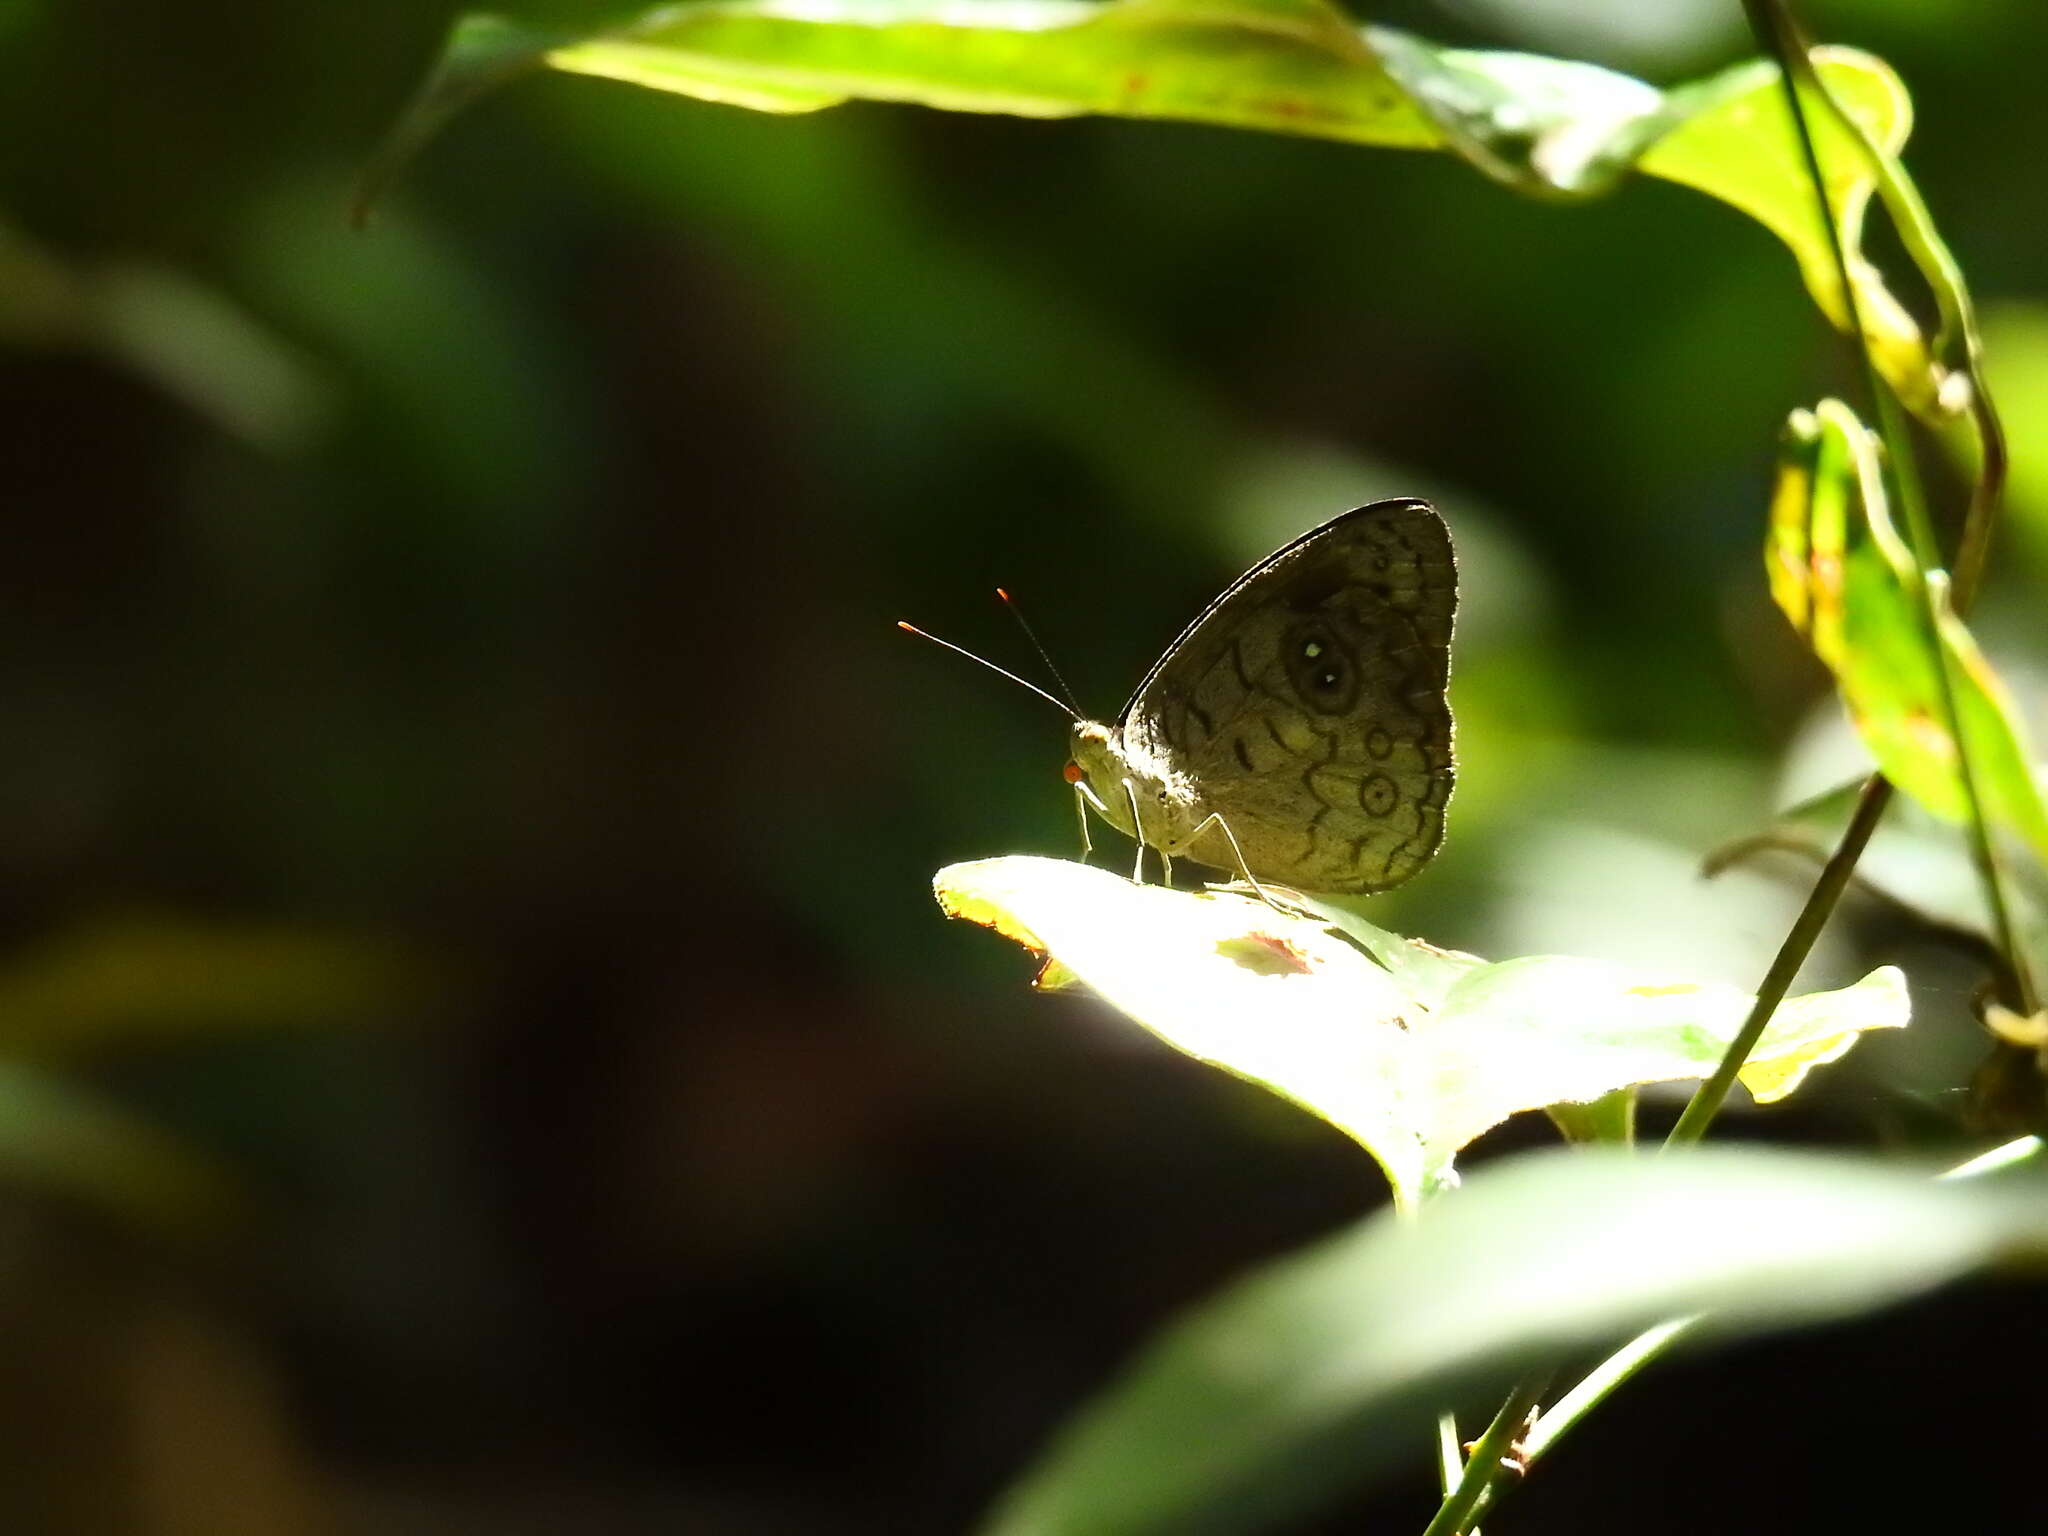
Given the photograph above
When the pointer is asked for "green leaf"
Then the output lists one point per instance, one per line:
(482, 53)
(57, 1141)
(1550, 127)
(2016, 355)
(121, 981)
(1733, 139)
(1543, 126)
(196, 344)
(1840, 571)
(1913, 860)
(1413, 1053)
(1326, 1370)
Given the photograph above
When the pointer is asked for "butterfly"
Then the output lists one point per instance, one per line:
(1298, 731)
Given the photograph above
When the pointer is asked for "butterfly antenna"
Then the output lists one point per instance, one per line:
(1038, 645)
(1065, 709)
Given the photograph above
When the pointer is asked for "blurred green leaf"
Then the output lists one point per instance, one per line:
(1842, 574)
(200, 347)
(1733, 139)
(2016, 356)
(1545, 126)
(1325, 1370)
(1412, 1050)
(55, 1140)
(438, 346)
(1914, 860)
(151, 980)
(482, 52)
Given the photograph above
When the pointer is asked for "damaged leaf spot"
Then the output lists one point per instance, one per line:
(1266, 954)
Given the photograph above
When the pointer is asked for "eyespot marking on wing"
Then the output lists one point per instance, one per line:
(1377, 795)
(1321, 667)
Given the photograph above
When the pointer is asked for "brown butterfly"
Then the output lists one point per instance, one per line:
(1298, 730)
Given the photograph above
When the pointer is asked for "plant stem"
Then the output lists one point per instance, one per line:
(1450, 1455)
(1598, 1383)
(1487, 1463)
(1774, 28)
(1478, 1489)
(1944, 277)
(1806, 928)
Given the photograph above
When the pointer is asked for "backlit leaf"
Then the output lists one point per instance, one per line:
(1551, 127)
(1412, 1050)
(1325, 1371)
(1844, 576)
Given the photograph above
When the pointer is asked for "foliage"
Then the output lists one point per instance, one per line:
(1328, 1364)
(1844, 576)
(1550, 127)
(503, 593)
(1413, 1050)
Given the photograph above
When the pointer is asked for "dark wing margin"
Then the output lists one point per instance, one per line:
(1394, 507)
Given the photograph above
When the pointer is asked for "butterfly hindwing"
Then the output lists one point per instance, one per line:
(1307, 706)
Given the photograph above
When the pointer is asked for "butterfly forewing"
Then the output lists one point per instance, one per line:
(1307, 704)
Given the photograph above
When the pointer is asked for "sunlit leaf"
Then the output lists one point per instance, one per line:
(1325, 1370)
(1412, 1050)
(1846, 579)
(1547, 126)
(1542, 125)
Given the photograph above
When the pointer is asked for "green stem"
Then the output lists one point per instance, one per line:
(1480, 1486)
(1806, 928)
(1600, 1382)
(2010, 1155)
(1944, 278)
(1772, 28)
(1488, 1464)
(1988, 492)
(1450, 1455)
(1450, 1461)
(1927, 556)
(1593, 1389)
(1775, 29)
(1707, 1099)
(1597, 1384)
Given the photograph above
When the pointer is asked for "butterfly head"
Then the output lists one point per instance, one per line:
(1116, 776)
(1102, 774)
(1095, 764)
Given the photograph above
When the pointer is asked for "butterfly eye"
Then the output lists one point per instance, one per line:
(1073, 773)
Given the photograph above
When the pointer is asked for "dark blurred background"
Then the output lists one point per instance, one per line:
(477, 1049)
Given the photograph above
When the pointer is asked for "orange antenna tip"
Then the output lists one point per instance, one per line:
(1064, 708)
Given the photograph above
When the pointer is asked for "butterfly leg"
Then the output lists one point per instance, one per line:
(1216, 820)
(1081, 815)
(1138, 832)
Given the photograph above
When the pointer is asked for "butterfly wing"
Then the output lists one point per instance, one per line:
(1307, 707)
